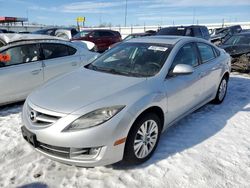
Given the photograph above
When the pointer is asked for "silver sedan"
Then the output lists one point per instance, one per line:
(27, 61)
(117, 107)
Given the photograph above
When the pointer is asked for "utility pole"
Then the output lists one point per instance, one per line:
(126, 7)
(193, 15)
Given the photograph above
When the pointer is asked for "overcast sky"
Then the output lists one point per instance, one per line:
(150, 12)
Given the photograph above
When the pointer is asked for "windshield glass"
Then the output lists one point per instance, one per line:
(238, 39)
(179, 31)
(81, 34)
(133, 59)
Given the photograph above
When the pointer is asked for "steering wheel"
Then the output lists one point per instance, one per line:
(155, 65)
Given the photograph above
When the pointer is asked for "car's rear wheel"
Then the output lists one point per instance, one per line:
(142, 139)
(222, 91)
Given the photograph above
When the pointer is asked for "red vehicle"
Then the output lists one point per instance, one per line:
(101, 38)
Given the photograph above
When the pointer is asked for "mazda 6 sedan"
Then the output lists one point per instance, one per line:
(116, 108)
(27, 61)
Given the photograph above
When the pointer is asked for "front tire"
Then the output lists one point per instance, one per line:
(222, 91)
(142, 139)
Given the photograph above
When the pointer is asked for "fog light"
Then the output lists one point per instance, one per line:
(84, 153)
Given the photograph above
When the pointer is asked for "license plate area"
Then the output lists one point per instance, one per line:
(29, 136)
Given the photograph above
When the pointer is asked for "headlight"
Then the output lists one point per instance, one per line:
(94, 118)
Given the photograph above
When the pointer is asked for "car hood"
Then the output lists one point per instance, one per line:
(236, 49)
(80, 88)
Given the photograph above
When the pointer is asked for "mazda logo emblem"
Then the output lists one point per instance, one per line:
(33, 116)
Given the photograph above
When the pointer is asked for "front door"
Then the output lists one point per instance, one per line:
(183, 91)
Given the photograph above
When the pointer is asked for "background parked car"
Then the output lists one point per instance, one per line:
(30, 60)
(193, 31)
(103, 39)
(136, 35)
(238, 46)
(222, 34)
(66, 33)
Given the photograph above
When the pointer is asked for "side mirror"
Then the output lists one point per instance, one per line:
(181, 69)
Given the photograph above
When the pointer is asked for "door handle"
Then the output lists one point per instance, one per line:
(35, 72)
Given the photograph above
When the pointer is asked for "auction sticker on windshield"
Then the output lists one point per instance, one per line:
(158, 48)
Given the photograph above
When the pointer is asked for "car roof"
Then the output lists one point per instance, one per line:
(11, 38)
(183, 26)
(160, 39)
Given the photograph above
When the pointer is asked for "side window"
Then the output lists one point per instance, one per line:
(197, 32)
(96, 34)
(217, 52)
(19, 54)
(51, 50)
(72, 50)
(186, 55)
(206, 52)
(107, 34)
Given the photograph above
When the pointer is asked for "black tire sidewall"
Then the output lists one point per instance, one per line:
(129, 154)
(217, 100)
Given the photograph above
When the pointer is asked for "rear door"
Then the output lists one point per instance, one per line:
(20, 72)
(210, 69)
(58, 59)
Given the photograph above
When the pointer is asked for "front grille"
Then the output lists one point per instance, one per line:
(54, 150)
(40, 118)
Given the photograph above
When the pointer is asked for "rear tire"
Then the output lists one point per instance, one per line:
(142, 139)
(222, 91)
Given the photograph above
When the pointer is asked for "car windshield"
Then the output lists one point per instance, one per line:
(179, 31)
(82, 34)
(133, 59)
(238, 39)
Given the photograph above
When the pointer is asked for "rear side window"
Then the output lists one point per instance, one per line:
(106, 34)
(217, 52)
(51, 51)
(19, 55)
(206, 52)
(72, 50)
(186, 55)
(197, 32)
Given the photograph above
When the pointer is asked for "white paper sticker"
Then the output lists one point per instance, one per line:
(158, 48)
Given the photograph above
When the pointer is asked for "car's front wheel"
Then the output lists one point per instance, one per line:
(142, 139)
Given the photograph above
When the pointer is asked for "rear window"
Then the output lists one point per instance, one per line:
(180, 31)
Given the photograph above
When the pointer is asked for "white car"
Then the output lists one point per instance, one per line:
(27, 61)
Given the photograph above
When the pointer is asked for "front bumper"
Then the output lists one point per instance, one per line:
(102, 137)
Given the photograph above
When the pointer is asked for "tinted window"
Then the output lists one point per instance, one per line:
(180, 31)
(186, 55)
(81, 34)
(106, 34)
(197, 32)
(238, 39)
(54, 50)
(20, 54)
(72, 50)
(206, 52)
(204, 30)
